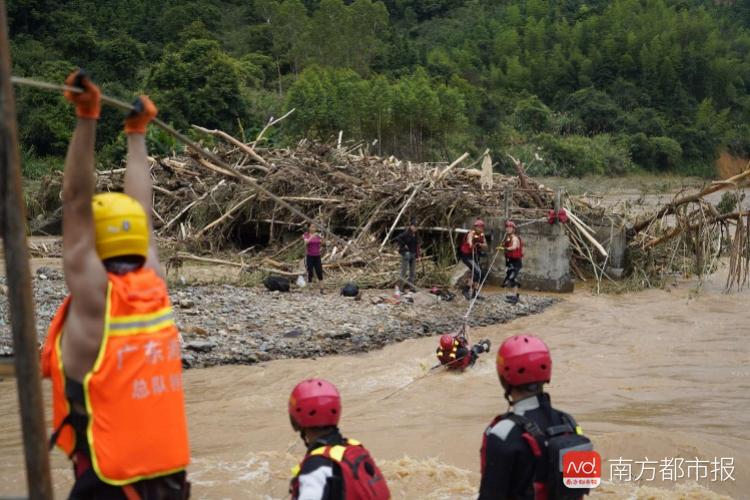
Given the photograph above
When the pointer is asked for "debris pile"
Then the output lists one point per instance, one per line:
(255, 201)
(360, 200)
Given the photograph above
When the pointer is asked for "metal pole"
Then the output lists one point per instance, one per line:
(506, 199)
(195, 147)
(20, 298)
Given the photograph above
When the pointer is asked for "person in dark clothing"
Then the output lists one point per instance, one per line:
(510, 468)
(408, 247)
(334, 468)
(513, 247)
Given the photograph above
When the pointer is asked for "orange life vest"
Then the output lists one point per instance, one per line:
(450, 358)
(468, 249)
(133, 394)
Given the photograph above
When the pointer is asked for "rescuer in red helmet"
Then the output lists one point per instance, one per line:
(334, 467)
(513, 247)
(454, 351)
(470, 251)
(522, 449)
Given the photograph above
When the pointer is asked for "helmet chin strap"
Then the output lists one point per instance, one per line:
(507, 388)
(507, 396)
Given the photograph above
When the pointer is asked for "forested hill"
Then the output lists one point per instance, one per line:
(571, 87)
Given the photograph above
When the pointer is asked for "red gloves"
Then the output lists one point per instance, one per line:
(145, 111)
(88, 102)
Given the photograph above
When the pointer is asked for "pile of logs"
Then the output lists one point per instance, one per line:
(205, 202)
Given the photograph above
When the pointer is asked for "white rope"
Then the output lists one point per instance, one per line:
(487, 274)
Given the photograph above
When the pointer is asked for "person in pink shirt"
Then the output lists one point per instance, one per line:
(313, 263)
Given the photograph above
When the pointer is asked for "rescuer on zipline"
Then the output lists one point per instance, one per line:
(113, 351)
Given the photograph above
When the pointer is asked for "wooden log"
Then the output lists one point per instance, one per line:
(282, 272)
(166, 191)
(20, 297)
(677, 230)
(522, 177)
(671, 207)
(225, 169)
(192, 204)
(208, 260)
(225, 216)
(242, 146)
(417, 188)
(312, 199)
(447, 169)
(586, 235)
(270, 124)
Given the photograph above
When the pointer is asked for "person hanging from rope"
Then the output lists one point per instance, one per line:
(333, 467)
(113, 350)
(470, 252)
(513, 247)
(453, 351)
(522, 449)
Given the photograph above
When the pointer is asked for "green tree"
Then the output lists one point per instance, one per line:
(199, 84)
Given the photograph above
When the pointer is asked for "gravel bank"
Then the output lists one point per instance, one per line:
(224, 324)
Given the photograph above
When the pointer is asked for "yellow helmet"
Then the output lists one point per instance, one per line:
(120, 225)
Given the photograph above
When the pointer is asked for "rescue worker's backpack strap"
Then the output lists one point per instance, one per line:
(532, 434)
(537, 441)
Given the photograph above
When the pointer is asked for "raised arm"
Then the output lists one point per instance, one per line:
(138, 183)
(84, 271)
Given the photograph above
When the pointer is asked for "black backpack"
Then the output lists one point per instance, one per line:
(276, 283)
(350, 290)
(553, 443)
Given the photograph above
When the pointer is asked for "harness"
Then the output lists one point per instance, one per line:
(467, 249)
(451, 357)
(547, 447)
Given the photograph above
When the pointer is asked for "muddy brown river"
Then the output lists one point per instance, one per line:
(650, 376)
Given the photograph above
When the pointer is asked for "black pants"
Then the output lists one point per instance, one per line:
(474, 267)
(313, 263)
(513, 269)
(88, 486)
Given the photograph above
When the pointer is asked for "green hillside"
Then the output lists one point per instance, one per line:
(570, 87)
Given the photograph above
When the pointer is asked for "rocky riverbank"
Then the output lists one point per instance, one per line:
(225, 324)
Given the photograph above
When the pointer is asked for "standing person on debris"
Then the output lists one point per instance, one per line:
(313, 262)
(408, 247)
(513, 247)
(334, 467)
(113, 350)
(522, 449)
(470, 252)
(454, 353)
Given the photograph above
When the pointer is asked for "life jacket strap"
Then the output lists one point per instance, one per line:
(68, 420)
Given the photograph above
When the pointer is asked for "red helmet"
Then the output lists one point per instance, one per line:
(510, 223)
(446, 342)
(315, 403)
(479, 223)
(524, 359)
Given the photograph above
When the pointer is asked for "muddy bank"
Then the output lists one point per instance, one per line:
(225, 324)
